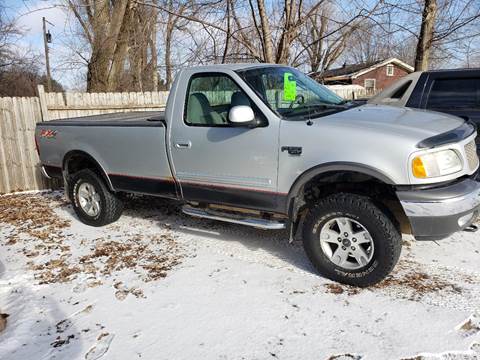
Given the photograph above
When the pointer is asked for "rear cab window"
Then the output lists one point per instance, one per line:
(454, 93)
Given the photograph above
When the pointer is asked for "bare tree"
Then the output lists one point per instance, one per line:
(172, 23)
(314, 34)
(322, 45)
(19, 71)
(371, 43)
(116, 31)
(9, 32)
(101, 21)
(438, 26)
(425, 38)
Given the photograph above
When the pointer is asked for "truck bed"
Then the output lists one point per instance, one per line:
(129, 119)
(130, 148)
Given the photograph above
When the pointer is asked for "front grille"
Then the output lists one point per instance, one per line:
(471, 153)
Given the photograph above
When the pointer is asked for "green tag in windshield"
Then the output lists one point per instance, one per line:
(289, 87)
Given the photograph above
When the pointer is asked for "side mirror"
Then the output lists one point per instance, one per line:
(241, 115)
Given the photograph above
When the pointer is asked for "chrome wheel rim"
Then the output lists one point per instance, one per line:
(346, 243)
(88, 199)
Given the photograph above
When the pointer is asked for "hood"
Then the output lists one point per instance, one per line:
(406, 122)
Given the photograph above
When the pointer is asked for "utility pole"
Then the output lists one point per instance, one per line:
(47, 38)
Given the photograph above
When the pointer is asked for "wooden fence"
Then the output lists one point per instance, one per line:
(19, 163)
(349, 93)
(19, 168)
(73, 104)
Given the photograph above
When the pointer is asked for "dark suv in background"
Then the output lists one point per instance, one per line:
(455, 92)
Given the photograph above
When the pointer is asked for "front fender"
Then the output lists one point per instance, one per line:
(309, 174)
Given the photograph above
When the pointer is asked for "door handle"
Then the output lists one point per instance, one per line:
(183, 145)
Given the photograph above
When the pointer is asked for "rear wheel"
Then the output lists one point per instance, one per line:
(92, 201)
(350, 240)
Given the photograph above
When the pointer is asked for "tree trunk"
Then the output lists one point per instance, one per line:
(227, 35)
(424, 45)
(121, 50)
(153, 49)
(136, 55)
(289, 32)
(168, 51)
(266, 33)
(106, 28)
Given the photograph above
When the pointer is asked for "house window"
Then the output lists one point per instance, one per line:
(369, 85)
(390, 70)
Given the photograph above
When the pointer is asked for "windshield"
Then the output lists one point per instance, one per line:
(290, 93)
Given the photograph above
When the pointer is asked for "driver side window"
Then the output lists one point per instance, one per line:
(210, 98)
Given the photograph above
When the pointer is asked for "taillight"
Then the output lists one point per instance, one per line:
(36, 146)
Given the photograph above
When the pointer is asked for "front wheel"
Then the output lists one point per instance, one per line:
(92, 201)
(350, 240)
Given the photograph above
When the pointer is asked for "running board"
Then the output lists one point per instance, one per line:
(233, 218)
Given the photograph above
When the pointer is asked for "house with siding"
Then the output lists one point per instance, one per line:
(373, 76)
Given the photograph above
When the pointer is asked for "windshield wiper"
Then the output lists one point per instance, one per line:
(321, 107)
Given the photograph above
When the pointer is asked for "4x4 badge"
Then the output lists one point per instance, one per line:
(48, 134)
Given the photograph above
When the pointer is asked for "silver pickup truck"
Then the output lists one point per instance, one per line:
(266, 146)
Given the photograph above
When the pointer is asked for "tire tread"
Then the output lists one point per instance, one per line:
(112, 208)
(364, 205)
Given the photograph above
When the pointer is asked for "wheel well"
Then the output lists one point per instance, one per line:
(79, 160)
(324, 184)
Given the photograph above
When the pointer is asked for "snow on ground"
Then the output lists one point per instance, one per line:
(160, 285)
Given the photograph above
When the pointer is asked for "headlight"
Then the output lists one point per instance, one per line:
(435, 164)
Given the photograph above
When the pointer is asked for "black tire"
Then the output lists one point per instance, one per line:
(387, 240)
(111, 206)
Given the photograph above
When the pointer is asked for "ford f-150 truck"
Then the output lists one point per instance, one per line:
(266, 146)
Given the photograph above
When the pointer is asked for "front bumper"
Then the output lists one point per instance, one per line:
(437, 213)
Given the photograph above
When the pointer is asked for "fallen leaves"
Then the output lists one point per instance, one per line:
(410, 277)
(32, 214)
(470, 326)
(59, 341)
(334, 289)
(152, 256)
(3, 321)
(338, 289)
(39, 233)
(123, 291)
(55, 271)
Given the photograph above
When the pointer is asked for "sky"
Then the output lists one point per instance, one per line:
(28, 15)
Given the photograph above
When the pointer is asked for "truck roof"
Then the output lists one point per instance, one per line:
(453, 71)
(123, 119)
(234, 67)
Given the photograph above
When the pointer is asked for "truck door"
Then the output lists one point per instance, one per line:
(215, 161)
